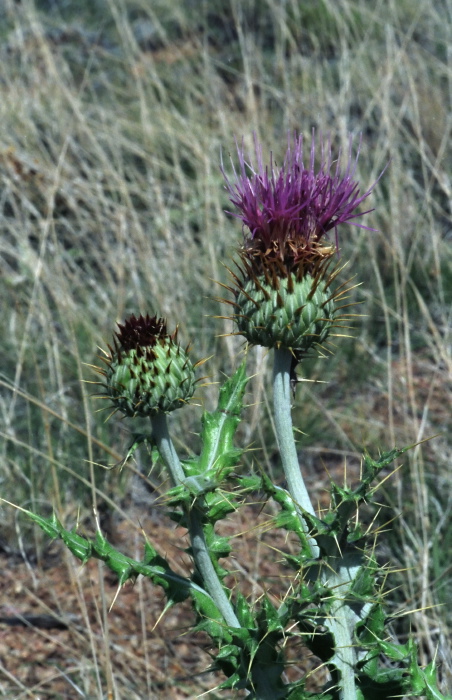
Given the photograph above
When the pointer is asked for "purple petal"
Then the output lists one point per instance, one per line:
(294, 202)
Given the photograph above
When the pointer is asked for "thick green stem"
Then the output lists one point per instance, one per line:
(200, 550)
(166, 448)
(284, 433)
(342, 621)
(206, 569)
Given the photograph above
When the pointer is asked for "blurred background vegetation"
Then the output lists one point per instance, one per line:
(114, 115)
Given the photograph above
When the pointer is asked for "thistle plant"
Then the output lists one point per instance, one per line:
(285, 294)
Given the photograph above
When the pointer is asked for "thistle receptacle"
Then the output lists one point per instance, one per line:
(147, 370)
(282, 291)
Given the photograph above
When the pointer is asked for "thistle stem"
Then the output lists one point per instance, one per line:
(342, 621)
(200, 550)
(206, 569)
(284, 432)
(166, 448)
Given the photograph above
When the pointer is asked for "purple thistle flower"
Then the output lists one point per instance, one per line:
(294, 206)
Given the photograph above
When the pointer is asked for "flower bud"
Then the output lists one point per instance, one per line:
(147, 370)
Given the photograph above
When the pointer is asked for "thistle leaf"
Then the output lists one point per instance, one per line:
(177, 588)
(218, 428)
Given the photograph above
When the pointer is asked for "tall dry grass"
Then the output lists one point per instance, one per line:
(113, 117)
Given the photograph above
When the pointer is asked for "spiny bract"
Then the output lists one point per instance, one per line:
(147, 370)
(293, 315)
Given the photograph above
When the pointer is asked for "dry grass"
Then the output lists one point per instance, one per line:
(113, 118)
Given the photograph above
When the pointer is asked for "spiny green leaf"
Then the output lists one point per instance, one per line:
(249, 483)
(242, 635)
(394, 651)
(406, 677)
(233, 682)
(363, 586)
(229, 652)
(243, 612)
(220, 504)
(49, 525)
(288, 518)
(372, 628)
(211, 620)
(299, 693)
(218, 545)
(177, 588)
(346, 501)
(423, 681)
(269, 617)
(431, 688)
(218, 428)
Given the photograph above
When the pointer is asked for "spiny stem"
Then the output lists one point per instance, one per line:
(198, 542)
(284, 432)
(345, 656)
(342, 621)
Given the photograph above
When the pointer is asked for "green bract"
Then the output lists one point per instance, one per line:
(162, 379)
(148, 372)
(292, 314)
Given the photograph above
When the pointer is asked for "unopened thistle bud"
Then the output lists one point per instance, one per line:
(147, 371)
(282, 294)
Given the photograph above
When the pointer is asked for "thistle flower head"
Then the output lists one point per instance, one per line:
(147, 370)
(289, 210)
(282, 292)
